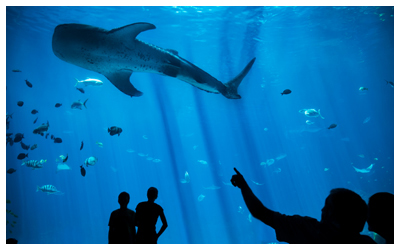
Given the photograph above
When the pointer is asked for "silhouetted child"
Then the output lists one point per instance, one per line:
(11, 241)
(122, 223)
(381, 215)
(147, 214)
(343, 218)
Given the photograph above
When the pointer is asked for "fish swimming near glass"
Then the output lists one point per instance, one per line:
(117, 53)
(49, 189)
(34, 164)
(42, 128)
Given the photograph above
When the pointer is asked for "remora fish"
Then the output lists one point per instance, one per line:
(117, 53)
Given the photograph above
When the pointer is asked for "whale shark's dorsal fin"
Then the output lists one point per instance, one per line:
(132, 30)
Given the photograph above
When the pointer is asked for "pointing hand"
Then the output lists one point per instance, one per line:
(237, 179)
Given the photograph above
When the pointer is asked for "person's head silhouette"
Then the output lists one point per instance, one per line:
(381, 215)
(123, 199)
(346, 210)
(152, 194)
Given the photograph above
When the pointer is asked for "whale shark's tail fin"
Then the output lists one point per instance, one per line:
(231, 87)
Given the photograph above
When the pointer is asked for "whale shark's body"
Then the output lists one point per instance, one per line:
(117, 53)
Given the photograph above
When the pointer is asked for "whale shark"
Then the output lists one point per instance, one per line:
(117, 53)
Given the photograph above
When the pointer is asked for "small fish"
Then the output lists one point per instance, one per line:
(20, 103)
(9, 116)
(202, 162)
(309, 122)
(286, 92)
(367, 119)
(81, 90)
(187, 178)
(391, 83)
(156, 160)
(259, 184)
(10, 140)
(9, 134)
(201, 197)
(81, 145)
(65, 159)
(333, 125)
(34, 146)
(28, 83)
(47, 134)
(35, 120)
(114, 130)
(88, 82)
(57, 140)
(16, 70)
(52, 137)
(34, 111)
(22, 156)
(58, 105)
(49, 189)
(91, 161)
(99, 144)
(83, 171)
(11, 170)
(24, 146)
(18, 137)
(362, 88)
(42, 128)
(78, 104)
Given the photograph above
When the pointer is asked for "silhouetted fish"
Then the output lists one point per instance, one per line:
(65, 159)
(81, 90)
(24, 146)
(58, 105)
(83, 171)
(34, 111)
(18, 137)
(28, 83)
(115, 130)
(9, 140)
(333, 125)
(35, 120)
(20, 103)
(16, 70)
(11, 170)
(81, 145)
(34, 146)
(52, 137)
(57, 140)
(22, 156)
(286, 92)
(47, 134)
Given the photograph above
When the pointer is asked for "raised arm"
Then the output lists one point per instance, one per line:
(255, 206)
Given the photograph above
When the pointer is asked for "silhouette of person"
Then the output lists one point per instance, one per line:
(122, 223)
(343, 218)
(147, 214)
(381, 215)
(11, 241)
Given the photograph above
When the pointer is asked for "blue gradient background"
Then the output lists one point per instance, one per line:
(323, 54)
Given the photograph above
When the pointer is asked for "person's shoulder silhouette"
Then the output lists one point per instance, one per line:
(122, 223)
(147, 214)
(381, 215)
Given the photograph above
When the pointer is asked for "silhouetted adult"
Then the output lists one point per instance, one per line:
(147, 214)
(381, 215)
(343, 218)
(122, 223)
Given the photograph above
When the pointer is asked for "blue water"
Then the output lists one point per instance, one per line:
(323, 54)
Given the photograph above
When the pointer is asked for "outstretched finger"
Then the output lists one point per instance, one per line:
(237, 172)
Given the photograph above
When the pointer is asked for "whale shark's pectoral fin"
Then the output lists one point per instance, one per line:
(120, 79)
